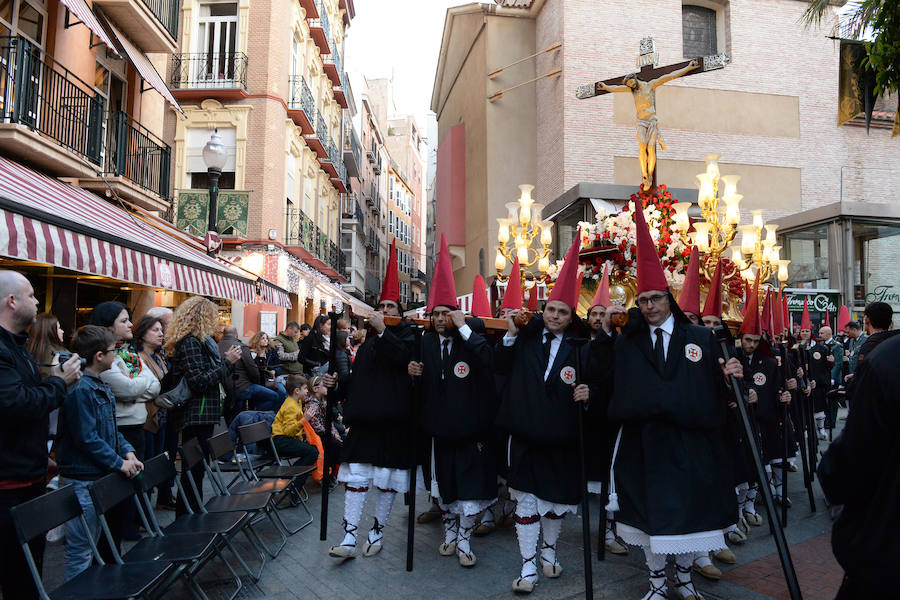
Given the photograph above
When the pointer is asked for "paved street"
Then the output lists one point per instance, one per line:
(304, 570)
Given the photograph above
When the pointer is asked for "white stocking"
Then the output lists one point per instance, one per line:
(528, 529)
(683, 584)
(656, 564)
(487, 517)
(384, 500)
(450, 523)
(775, 482)
(610, 527)
(702, 559)
(551, 529)
(354, 501)
(466, 525)
(749, 506)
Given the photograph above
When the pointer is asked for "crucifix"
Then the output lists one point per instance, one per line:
(642, 86)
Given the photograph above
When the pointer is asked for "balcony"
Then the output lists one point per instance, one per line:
(320, 29)
(333, 68)
(300, 231)
(204, 75)
(340, 92)
(329, 162)
(340, 182)
(318, 140)
(301, 106)
(151, 24)
(351, 150)
(352, 214)
(232, 209)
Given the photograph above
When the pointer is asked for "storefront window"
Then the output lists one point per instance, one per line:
(876, 277)
(807, 250)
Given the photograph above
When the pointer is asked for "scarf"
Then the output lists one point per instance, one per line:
(131, 358)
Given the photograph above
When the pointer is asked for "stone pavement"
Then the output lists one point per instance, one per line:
(304, 570)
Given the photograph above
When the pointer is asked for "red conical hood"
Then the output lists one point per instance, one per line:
(650, 275)
(713, 305)
(843, 317)
(777, 315)
(767, 322)
(513, 296)
(805, 321)
(390, 289)
(533, 299)
(827, 320)
(689, 298)
(601, 298)
(788, 324)
(443, 290)
(566, 283)
(579, 277)
(481, 306)
(751, 315)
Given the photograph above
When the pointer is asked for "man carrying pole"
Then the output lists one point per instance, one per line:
(457, 412)
(538, 408)
(671, 479)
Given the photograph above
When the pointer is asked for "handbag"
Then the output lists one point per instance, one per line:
(177, 397)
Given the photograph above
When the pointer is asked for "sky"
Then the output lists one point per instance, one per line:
(399, 39)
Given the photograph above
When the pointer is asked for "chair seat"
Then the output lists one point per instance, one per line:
(180, 547)
(238, 502)
(270, 486)
(109, 582)
(222, 523)
(282, 471)
(229, 466)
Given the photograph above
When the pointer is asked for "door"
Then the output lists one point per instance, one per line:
(218, 36)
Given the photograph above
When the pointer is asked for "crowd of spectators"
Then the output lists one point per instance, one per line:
(74, 411)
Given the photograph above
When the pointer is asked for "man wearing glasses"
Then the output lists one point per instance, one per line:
(378, 411)
(671, 476)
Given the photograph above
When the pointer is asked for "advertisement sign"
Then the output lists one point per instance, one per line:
(819, 301)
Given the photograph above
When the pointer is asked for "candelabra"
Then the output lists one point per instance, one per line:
(760, 255)
(721, 216)
(515, 235)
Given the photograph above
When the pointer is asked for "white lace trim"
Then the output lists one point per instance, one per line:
(595, 487)
(701, 541)
(543, 506)
(363, 474)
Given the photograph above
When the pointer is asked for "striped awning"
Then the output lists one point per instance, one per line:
(143, 66)
(272, 294)
(50, 222)
(83, 12)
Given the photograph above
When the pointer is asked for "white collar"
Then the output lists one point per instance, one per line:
(668, 325)
(555, 335)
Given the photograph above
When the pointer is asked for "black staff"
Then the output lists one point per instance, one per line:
(414, 424)
(329, 418)
(784, 412)
(812, 436)
(577, 343)
(784, 553)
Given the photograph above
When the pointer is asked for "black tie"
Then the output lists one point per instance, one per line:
(445, 355)
(658, 348)
(548, 339)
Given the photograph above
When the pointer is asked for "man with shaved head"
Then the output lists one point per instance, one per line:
(835, 359)
(25, 405)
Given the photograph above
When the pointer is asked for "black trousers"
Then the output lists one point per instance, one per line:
(15, 577)
(202, 433)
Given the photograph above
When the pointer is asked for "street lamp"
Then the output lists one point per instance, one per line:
(214, 155)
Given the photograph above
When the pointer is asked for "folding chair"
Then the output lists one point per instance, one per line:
(190, 550)
(257, 432)
(98, 582)
(258, 504)
(220, 445)
(160, 469)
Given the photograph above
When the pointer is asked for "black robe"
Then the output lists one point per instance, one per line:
(599, 431)
(761, 373)
(540, 416)
(673, 471)
(378, 401)
(820, 371)
(458, 407)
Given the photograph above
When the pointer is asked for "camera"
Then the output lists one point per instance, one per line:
(65, 356)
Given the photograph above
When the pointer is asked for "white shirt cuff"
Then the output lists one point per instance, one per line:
(508, 340)
(465, 331)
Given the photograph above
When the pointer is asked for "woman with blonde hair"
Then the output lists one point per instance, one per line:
(195, 357)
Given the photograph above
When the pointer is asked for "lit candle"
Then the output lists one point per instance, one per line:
(733, 208)
(522, 253)
(500, 262)
(748, 238)
(706, 195)
(757, 219)
(712, 165)
(702, 239)
(783, 270)
(730, 185)
(544, 264)
(775, 255)
(537, 210)
(737, 258)
(546, 233)
(681, 218)
(770, 233)
(512, 211)
(503, 231)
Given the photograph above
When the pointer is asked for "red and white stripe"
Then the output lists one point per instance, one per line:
(273, 295)
(35, 240)
(83, 12)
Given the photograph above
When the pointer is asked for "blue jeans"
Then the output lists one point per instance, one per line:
(258, 397)
(79, 555)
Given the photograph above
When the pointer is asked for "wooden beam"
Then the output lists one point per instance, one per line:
(499, 94)
(550, 48)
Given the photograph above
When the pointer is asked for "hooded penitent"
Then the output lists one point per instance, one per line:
(481, 306)
(390, 289)
(650, 275)
(568, 281)
(751, 314)
(601, 298)
(805, 320)
(443, 290)
(713, 305)
(689, 299)
(512, 299)
(843, 317)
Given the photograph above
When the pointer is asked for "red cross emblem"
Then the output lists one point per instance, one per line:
(693, 352)
(461, 369)
(567, 374)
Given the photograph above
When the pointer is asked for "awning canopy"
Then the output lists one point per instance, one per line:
(86, 15)
(47, 221)
(272, 294)
(356, 305)
(142, 65)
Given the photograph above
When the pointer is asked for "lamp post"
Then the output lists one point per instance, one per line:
(214, 155)
(515, 235)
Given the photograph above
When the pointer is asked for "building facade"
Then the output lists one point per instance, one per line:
(268, 78)
(771, 116)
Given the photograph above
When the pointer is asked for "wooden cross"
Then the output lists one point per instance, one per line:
(645, 81)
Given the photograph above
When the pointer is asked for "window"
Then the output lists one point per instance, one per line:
(290, 179)
(217, 36)
(28, 18)
(195, 139)
(391, 222)
(698, 24)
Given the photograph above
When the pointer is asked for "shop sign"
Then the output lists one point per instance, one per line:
(165, 276)
(884, 293)
(818, 301)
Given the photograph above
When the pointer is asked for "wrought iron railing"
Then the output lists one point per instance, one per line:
(205, 70)
(301, 97)
(301, 231)
(167, 13)
(136, 154)
(39, 93)
(322, 20)
(322, 131)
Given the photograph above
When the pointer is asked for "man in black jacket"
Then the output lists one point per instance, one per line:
(25, 406)
(864, 537)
